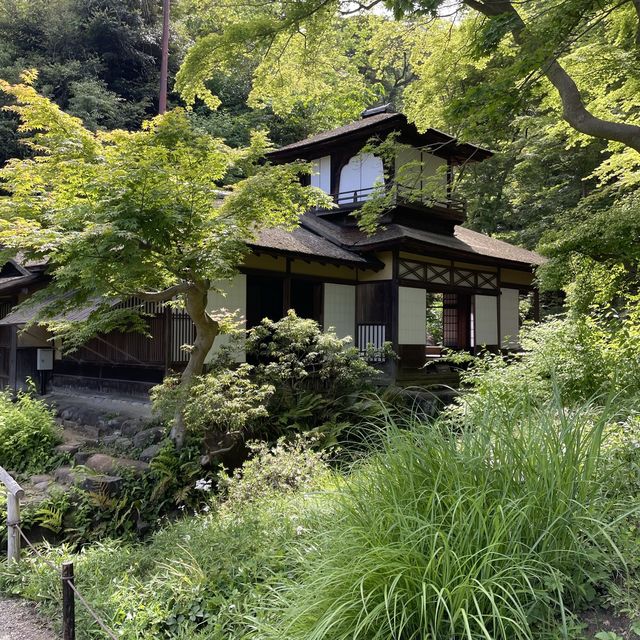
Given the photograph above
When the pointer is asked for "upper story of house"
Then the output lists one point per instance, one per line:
(415, 171)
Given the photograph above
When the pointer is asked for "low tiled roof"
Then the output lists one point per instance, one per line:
(29, 311)
(357, 125)
(488, 246)
(304, 242)
(13, 283)
(464, 241)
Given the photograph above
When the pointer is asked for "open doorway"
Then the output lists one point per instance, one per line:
(448, 322)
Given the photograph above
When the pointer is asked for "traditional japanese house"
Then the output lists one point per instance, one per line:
(421, 282)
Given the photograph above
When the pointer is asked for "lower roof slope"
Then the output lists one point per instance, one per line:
(464, 241)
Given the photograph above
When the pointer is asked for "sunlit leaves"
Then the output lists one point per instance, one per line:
(119, 213)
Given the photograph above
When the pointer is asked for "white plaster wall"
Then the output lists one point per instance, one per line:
(235, 299)
(486, 320)
(363, 171)
(509, 318)
(321, 173)
(412, 316)
(434, 166)
(340, 309)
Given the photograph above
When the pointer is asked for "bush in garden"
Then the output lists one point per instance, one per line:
(28, 434)
(316, 375)
(282, 468)
(223, 407)
(202, 576)
(588, 357)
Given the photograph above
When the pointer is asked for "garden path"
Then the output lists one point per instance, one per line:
(20, 621)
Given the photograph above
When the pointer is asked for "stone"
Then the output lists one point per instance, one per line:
(91, 431)
(111, 438)
(150, 452)
(81, 457)
(63, 475)
(131, 427)
(69, 448)
(148, 437)
(41, 478)
(102, 483)
(123, 444)
(41, 486)
(109, 465)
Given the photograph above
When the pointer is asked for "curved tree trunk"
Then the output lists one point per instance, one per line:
(206, 331)
(574, 111)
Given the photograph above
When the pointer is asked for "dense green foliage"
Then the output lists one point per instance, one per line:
(28, 434)
(201, 574)
(139, 214)
(503, 526)
(98, 59)
(301, 380)
(318, 378)
(555, 178)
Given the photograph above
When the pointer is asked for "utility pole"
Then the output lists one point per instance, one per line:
(164, 65)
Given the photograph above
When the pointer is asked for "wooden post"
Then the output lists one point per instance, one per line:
(68, 602)
(14, 495)
(13, 520)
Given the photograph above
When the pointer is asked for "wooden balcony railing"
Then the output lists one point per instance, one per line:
(401, 194)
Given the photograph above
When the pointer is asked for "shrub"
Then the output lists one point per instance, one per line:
(316, 375)
(490, 534)
(223, 408)
(203, 576)
(302, 380)
(282, 468)
(588, 357)
(28, 434)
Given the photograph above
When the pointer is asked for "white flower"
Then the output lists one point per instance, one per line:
(204, 485)
(300, 530)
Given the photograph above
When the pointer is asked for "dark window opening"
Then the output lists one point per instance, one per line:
(264, 299)
(435, 319)
(306, 299)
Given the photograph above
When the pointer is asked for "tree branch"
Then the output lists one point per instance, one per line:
(574, 111)
(166, 294)
(636, 6)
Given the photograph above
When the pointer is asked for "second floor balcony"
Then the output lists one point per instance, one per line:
(398, 195)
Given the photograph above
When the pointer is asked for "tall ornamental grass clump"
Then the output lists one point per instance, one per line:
(490, 532)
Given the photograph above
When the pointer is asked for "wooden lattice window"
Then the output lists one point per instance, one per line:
(438, 275)
(411, 270)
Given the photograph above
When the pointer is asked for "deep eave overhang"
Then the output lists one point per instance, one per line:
(437, 251)
(448, 146)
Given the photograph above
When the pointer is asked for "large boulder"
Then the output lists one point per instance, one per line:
(150, 452)
(102, 484)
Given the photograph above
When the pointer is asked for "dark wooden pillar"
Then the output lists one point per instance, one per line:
(13, 358)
